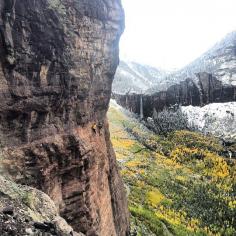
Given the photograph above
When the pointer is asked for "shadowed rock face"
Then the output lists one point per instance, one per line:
(58, 59)
(202, 90)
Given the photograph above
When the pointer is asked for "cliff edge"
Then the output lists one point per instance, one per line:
(57, 62)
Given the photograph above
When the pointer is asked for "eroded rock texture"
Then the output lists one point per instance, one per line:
(28, 211)
(202, 90)
(58, 59)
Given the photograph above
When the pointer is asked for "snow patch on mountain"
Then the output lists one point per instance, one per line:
(218, 119)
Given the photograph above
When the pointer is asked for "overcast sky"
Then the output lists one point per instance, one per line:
(172, 33)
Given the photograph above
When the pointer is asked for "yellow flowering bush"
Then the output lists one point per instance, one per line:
(132, 164)
(195, 140)
(215, 165)
(183, 154)
(210, 163)
(155, 197)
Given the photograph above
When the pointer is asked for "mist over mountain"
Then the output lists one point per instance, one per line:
(220, 61)
(137, 78)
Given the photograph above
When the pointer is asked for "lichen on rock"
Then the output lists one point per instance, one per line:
(28, 211)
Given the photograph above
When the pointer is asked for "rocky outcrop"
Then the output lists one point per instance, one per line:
(28, 211)
(199, 91)
(216, 118)
(58, 59)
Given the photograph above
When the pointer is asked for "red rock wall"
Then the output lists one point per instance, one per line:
(58, 59)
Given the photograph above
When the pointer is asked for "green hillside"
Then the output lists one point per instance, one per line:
(178, 185)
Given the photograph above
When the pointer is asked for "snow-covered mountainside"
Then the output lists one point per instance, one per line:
(137, 78)
(210, 80)
(220, 61)
(218, 119)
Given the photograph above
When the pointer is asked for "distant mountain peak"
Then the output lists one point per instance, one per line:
(220, 61)
(134, 77)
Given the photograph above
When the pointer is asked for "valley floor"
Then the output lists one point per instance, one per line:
(177, 185)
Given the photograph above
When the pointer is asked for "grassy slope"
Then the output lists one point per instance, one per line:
(177, 185)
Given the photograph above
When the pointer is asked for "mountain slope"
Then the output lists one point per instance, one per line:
(220, 61)
(135, 77)
(209, 79)
(179, 185)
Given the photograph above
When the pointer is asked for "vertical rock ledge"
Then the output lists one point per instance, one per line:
(58, 59)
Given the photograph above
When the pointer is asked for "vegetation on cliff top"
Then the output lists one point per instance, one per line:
(177, 185)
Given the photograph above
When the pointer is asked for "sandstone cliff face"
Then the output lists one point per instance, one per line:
(58, 59)
(202, 90)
